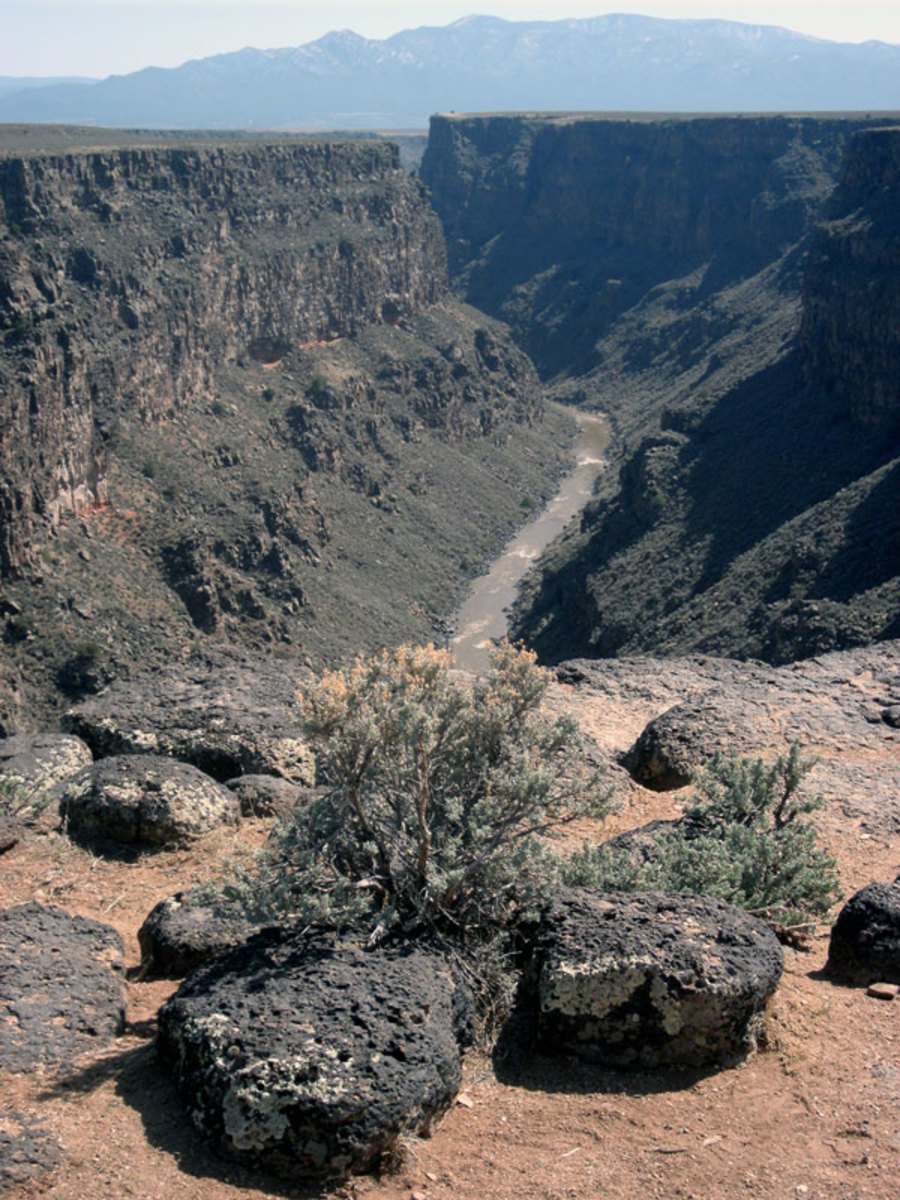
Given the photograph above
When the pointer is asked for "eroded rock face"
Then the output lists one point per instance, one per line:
(308, 1058)
(865, 940)
(176, 259)
(61, 986)
(35, 762)
(237, 717)
(145, 800)
(647, 980)
(180, 933)
(850, 338)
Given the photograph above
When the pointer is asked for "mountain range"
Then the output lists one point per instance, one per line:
(612, 63)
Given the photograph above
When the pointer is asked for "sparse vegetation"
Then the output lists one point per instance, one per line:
(742, 841)
(440, 799)
(17, 799)
(439, 796)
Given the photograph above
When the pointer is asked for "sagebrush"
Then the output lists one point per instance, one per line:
(439, 798)
(742, 840)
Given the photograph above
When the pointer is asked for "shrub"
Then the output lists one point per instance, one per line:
(18, 799)
(439, 799)
(741, 841)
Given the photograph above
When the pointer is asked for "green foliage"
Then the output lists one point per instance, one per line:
(440, 797)
(17, 799)
(741, 841)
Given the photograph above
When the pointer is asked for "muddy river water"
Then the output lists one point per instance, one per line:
(482, 616)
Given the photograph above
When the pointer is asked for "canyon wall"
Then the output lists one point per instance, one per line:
(239, 406)
(725, 288)
(128, 276)
(850, 333)
(561, 225)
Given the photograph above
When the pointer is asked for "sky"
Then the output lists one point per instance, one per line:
(105, 37)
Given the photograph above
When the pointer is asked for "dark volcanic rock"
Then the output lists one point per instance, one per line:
(27, 1150)
(307, 1058)
(268, 795)
(61, 986)
(647, 980)
(36, 762)
(865, 939)
(145, 800)
(752, 710)
(180, 933)
(238, 717)
(642, 845)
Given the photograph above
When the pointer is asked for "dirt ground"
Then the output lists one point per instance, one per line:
(815, 1115)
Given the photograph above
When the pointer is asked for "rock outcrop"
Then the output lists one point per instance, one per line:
(27, 1151)
(183, 931)
(61, 986)
(145, 800)
(269, 795)
(230, 716)
(35, 763)
(865, 939)
(647, 980)
(310, 1059)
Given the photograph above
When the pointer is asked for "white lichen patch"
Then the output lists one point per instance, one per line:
(261, 1094)
(591, 987)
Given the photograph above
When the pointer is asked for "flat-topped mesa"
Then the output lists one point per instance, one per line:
(127, 276)
(850, 334)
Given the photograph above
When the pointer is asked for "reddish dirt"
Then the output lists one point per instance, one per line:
(816, 1115)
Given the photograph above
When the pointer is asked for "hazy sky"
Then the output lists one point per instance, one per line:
(74, 37)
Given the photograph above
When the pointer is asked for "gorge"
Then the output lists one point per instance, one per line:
(251, 426)
(242, 405)
(702, 282)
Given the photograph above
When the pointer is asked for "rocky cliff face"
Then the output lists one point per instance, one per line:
(237, 404)
(754, 512)
(129, 276)
(851, 305)
(561, 225)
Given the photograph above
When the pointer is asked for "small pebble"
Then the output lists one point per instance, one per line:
(883, 991)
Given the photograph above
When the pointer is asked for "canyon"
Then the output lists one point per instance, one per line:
(725, 290)
(249, 425)
(240, 406)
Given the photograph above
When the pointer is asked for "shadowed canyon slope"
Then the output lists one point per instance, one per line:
(657, 270)
(239, 404)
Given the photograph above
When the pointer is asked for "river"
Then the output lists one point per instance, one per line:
(482, 617)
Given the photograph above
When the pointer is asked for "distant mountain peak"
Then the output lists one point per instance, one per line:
(619, 62)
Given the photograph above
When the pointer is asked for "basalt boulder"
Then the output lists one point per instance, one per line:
(646, 980)
(309, 1058)
(182, 932)
(230, 718)
(145, 800)
(269, 795)
(27, 1151)
(31, 764)
(61, 986)
(865, 939)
